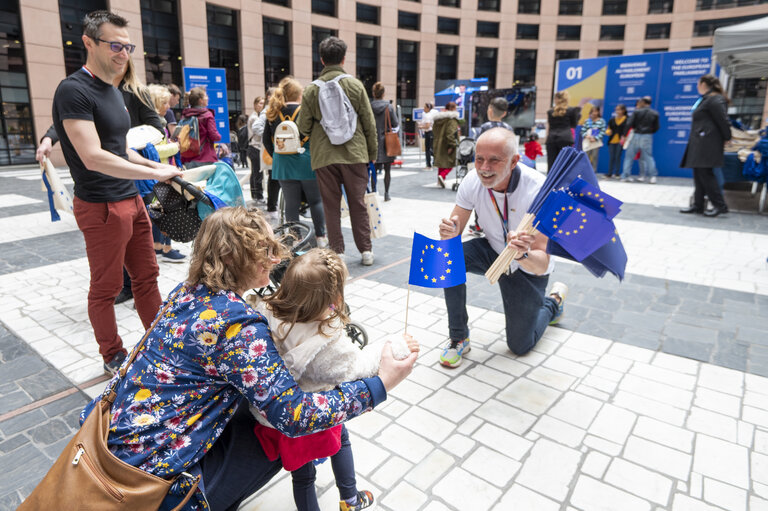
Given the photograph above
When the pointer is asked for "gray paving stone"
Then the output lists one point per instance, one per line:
(752, 335)
(22, 422)
(13, 443)
(731, 354)
(691, 333)
(719, 295)
(650, 321)
(49, 432)
(687, 348)
(54, 450)
(44, 384)
(23, 466)
(21, 367)
(642, 339)
(14, 400)
(757, 362)
(10, 501)
(12, 347)
(65, 405)
(699, 308)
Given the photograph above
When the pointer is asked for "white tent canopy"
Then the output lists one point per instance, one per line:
(742, 50)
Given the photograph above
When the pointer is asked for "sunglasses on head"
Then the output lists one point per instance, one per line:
(116, 46)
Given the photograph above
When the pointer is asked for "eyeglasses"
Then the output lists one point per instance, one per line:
(116, 46)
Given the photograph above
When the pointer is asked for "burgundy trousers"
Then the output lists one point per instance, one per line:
(118, 234)
(354, 177)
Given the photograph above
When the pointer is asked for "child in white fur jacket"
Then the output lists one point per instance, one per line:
(306, 317)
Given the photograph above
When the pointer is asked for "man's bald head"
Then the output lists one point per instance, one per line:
(503, 135)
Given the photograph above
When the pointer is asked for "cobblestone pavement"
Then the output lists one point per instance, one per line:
(652, 394)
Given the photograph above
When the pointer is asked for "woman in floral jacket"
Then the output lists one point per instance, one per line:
(182, 406)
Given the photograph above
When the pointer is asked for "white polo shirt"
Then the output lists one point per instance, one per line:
(472, 195)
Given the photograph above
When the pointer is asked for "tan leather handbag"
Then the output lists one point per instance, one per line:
(391, 140)
(86, 476)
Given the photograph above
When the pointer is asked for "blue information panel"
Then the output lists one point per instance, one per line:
(215, 82)
(668, 78)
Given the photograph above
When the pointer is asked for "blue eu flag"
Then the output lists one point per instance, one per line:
(573, 224)
(595, 198)
(437, 263)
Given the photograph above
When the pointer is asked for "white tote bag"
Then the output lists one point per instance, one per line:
(59, 198)
(374, 215)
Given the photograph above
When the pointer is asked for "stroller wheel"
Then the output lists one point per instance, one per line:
(455, 186)
(357, 334)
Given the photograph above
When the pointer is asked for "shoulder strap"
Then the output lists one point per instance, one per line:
(295, 113)
(345, 75)
(110, 397)
(387, 121)
(282, 117)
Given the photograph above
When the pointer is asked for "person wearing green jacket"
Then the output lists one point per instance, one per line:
(345, 164)
(445, 131)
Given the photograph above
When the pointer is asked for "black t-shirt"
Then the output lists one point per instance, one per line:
(560, 126)
(85, 97)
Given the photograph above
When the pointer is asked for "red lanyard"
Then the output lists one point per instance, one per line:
(502, 217)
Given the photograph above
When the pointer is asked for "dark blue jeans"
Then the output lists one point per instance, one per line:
(526, 309)
(614, 162)
(343, 465)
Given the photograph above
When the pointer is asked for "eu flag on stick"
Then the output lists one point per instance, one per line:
(437, 263)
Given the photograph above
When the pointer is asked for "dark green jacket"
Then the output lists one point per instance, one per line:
(446, 138)
(362, 147)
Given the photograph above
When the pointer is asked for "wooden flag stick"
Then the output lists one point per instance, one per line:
(508, 255)
(407, 301)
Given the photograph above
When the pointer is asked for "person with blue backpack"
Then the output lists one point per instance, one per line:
(337, 115)
(198, 148)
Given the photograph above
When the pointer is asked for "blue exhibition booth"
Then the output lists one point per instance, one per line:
(668, 78)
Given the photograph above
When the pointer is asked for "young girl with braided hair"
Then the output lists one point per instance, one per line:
(307, 316)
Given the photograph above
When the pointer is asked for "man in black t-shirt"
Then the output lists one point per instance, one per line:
(92, 122)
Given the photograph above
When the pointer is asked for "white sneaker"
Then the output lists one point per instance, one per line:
(440, 181)
(652, 180)
(367, 258)
(322, 242)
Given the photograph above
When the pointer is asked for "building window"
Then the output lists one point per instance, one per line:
(449, 3)
(489, 5)
(447, 62)
(525, 67)
(566, 54)
(705, 28)
(569, 32)
(529, 7)
(707, 5)
(224, 51)
(608, 53)
(17, 136)
(286, 3)
(71, 13)
(368, 60)
(485, 64)
(408, 20)
(327, 7)
(655, 50)
(277, 47)
(614, 7)
(660, 6)
(487, 29)
(318, 35)
(657, 30)
(162, 51)
(611, 32)
(407, 78)
(447, 25)
(527, 31)
(571, 7)
(368, 13)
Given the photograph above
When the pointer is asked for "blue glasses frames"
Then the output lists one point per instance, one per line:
(117, 47)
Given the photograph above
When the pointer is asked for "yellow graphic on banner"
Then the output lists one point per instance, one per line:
(589, 90)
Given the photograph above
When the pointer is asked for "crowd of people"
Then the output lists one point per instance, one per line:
(227, 387)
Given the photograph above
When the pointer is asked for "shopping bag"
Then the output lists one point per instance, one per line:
(374, 215)
(59, 198)
(588, 145)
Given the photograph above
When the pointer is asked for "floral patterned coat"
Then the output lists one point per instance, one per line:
(207, 353)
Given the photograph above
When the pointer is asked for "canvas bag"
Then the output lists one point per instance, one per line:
(287, 138)
(391, 140)
(339, 118)
(375, 218)
(58, 195)
(87, 476)
(187, 132)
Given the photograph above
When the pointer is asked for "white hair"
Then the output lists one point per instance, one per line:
(510, 139)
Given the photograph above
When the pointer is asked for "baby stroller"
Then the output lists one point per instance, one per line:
(178, 209)
(299, 237)
(464, 155)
